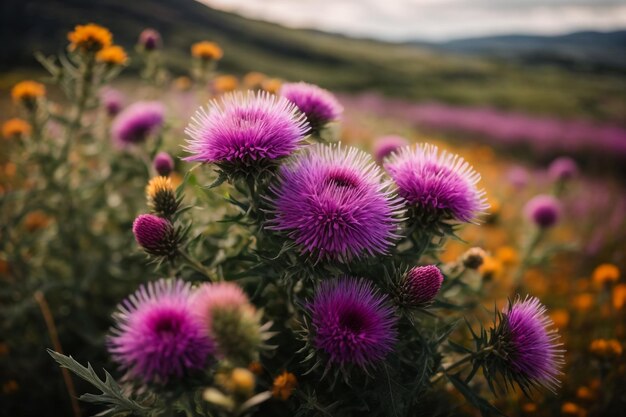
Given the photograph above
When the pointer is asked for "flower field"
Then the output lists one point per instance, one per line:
(208, 244)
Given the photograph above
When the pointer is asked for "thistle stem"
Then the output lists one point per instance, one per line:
(56, 343)
(461, 363)
(535, 239)
(196, 265)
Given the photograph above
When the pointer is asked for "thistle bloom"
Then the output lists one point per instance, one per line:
(157, 337)
(242, 133)
(155, 235)
(421, 285)
(112, 55)
(163, 164)
(137, 122)
(112, 100)
(89, 38)
(543, 210)
(333, 203)
(351, 322)
(387, 145)
(563, 169)
(437, 185)
(319, 106)
(528, 345)
(150, 39)
(15, 128)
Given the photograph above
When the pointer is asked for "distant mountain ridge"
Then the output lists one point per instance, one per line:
(602, 50)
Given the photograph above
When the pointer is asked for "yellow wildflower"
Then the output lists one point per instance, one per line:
(272, 85)
(606, 274)
(225, 83)
(28, 91)
(90, 38)
(254, 79)
(112, 55)
(507, 255)
(206, 50)
(15, 128)
(284, 385)
(491, 268)
(619, 296)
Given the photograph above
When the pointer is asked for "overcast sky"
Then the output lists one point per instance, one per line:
(434, 19)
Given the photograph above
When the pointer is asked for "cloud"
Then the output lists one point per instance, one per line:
(434, 19)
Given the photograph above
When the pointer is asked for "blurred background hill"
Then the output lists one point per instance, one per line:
(578, 75)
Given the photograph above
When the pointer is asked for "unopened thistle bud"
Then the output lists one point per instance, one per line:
(421, 285)
(162, 196)
(156, 235)
(163, 164)
(473, 258)
(231, 321)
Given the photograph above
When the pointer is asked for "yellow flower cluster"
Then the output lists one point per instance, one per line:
(606, 348)
(206, 50)
(112, 55)
(15, 128)
(28, 91)
(89, 38)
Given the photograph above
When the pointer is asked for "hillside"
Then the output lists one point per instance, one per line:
(588, 50)
(333, 61)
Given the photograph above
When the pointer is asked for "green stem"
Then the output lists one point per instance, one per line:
(196, 265)
(461, 362)
(525, 263)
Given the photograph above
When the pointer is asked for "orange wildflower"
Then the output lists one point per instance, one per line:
(28, 91)
(89, 38)
(15, 128)
(284, 385)
(206, 50)
(112, 55)
(605, 274)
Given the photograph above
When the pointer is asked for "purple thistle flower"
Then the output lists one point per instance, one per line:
(320, 106)
(155, 235)
(543, 210)
(421, 285)
(333, 203)
(387, 145)
(157, 336)
(163, 164)
(518, 177)
(351, 322)
(244, 132)
(137, 122)
(150, 39)
(563, 169)
(112, 100)
(438, 185)
(530, 345)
